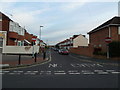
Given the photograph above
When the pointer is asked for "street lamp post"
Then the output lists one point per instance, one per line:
(40, 35)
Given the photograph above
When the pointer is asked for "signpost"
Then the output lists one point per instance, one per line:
(33, 39)
(108, 40)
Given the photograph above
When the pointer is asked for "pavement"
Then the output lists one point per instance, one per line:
(64, 71)
(12, 61)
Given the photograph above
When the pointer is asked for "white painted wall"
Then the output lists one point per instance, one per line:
(80, 41)
(20, 49)
(17, 49)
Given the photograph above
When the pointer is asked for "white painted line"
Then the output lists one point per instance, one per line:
(115, 72)
(6, 71)
(59, 73)
(85, 71)
(49, 71)
(75, 73)
(89, 73)
(20, 71)
(35, 71)
(99, 65)
(11, 73)
(15, 71)
(110, 70)
(1, 73)
(42, 71)
(29, 71)
(103, 73)
(98, 70)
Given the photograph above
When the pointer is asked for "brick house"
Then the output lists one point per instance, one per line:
(67, 43)
(97, 36)
(16, 35)
(74, 41)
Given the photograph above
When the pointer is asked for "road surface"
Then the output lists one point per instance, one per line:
(64, 71)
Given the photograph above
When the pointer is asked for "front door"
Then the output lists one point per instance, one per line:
(1, 42)
(1, 46)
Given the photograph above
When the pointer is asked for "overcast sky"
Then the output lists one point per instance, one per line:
(60, 19)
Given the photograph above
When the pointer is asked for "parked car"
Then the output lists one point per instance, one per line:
(63, 51)
(56, 49)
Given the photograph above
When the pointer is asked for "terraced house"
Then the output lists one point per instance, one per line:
(74, 41)
(16, 35)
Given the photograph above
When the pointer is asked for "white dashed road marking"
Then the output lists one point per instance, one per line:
(115, 72)
(61, 72)
(1, 73)
(5, 71)
(103, 73)
(74, 73)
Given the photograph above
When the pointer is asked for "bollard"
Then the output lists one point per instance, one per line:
(44, 55)
(35, 57)
(19, 60)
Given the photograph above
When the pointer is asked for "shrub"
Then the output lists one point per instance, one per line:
(114, 49)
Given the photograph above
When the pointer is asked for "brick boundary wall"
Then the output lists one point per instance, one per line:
(86, 51)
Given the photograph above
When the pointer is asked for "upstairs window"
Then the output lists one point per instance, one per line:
(119, 30)
(0, 17)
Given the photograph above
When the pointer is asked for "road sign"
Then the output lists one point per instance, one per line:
(34, 38)
(108, 39)
(2, 35)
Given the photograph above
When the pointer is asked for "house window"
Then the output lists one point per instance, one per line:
(119, 30)
(1, 42)
(20, 43)
(11, 27)
(0, 18)
(100, 45)
(94, 46)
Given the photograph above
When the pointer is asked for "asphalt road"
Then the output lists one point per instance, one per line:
(64, 71)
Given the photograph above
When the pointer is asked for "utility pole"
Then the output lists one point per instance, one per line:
(40, 37)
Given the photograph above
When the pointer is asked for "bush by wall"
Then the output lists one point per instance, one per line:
(114, 49)
(98, 51)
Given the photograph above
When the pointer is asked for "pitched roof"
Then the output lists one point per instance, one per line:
(114, 21)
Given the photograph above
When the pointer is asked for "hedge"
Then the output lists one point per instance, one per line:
(114, 49)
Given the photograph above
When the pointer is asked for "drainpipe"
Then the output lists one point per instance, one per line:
(109, 31)
(108, 53)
